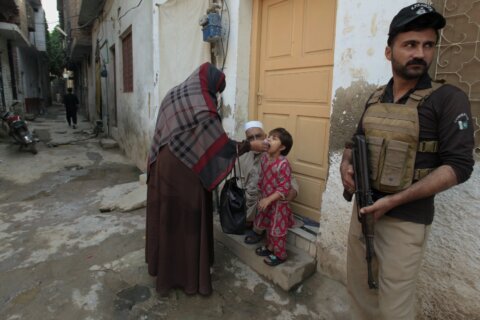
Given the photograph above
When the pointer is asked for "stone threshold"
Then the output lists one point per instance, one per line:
(299, 265)
(303, 237)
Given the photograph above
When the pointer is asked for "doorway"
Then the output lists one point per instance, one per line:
(292, 67)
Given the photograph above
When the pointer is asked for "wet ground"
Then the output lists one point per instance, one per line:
(61, 258)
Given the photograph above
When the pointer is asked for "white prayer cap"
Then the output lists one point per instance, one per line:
(253, 124)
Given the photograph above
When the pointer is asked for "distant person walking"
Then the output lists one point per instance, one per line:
(70, 101)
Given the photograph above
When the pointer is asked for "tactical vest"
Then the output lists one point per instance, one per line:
(392, 133)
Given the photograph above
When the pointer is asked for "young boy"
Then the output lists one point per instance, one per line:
(274, 214)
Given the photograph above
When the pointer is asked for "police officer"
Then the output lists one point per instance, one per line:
(420, 141)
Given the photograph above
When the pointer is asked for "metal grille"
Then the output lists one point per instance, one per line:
(458, 59)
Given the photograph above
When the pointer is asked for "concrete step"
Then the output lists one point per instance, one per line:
(299, 265)
(304, 237)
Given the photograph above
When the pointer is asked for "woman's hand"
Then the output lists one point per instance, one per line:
(259, 146)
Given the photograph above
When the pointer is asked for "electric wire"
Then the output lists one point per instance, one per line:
(130, 10)
(225, 48)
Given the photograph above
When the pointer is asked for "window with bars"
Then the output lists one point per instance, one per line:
(457, 55)
(127, 63)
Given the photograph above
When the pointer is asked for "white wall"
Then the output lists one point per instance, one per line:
(132, 107)
(237, 15)
(29, 72)
(37, 38)
(361, 37)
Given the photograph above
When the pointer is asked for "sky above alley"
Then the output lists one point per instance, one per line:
(51, 13)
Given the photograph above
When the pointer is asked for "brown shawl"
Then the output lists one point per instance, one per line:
(189, 123)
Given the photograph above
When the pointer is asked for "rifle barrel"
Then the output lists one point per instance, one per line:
(364, 199)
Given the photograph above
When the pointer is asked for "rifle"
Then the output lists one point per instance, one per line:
(363, 195)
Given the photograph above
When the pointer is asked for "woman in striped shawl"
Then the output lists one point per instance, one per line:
(190, 155)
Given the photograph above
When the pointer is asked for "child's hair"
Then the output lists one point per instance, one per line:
(285, 137)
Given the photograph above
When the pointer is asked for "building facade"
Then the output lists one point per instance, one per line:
(24, 81)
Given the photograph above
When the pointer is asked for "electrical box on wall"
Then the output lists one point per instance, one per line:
(212, 27)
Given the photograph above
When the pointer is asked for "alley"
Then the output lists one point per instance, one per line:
(61, 258)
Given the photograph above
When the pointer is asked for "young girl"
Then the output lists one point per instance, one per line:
(274, 214)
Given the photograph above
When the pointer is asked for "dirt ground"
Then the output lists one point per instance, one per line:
(61, 258)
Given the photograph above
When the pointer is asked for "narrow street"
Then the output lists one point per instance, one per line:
(61, 258)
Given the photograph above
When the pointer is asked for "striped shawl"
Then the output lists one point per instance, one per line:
(189, 124)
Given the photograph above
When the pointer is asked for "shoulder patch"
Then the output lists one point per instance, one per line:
(462, 121)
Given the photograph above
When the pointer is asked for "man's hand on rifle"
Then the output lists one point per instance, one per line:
(379, 207)
(346, 171)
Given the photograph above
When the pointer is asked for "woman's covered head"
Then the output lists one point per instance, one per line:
(216, 80)
(216, 84)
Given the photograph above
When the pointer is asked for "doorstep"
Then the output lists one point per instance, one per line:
(299, 265)
(304, 237)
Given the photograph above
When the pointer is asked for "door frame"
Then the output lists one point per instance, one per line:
(255, 57)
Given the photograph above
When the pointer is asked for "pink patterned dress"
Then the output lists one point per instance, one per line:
(275, 176)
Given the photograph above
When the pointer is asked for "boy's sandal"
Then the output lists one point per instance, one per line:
(263, 251)
(272, 260)
(253, 238)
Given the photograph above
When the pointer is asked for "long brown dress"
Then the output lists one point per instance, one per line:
(179, 248)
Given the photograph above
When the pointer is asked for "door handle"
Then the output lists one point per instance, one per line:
(259, 98)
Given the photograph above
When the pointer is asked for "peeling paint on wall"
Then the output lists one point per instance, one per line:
(347, 55)
(358, 73)
(226, 111)
(373, 25)
(347, 107)
(240, 115)
(347, 28)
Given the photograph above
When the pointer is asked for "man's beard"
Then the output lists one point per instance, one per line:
(407, 73)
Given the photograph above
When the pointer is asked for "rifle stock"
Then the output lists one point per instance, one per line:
(363, 196)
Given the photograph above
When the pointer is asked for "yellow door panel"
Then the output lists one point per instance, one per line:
(305, 85)
(307, 203)
(272, 121)
(280, 20)
(311, 137)
(319, 15)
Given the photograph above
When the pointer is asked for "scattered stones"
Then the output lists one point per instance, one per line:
(108, 143)
(133, 295)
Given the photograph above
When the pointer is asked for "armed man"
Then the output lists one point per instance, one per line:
(419, 135)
